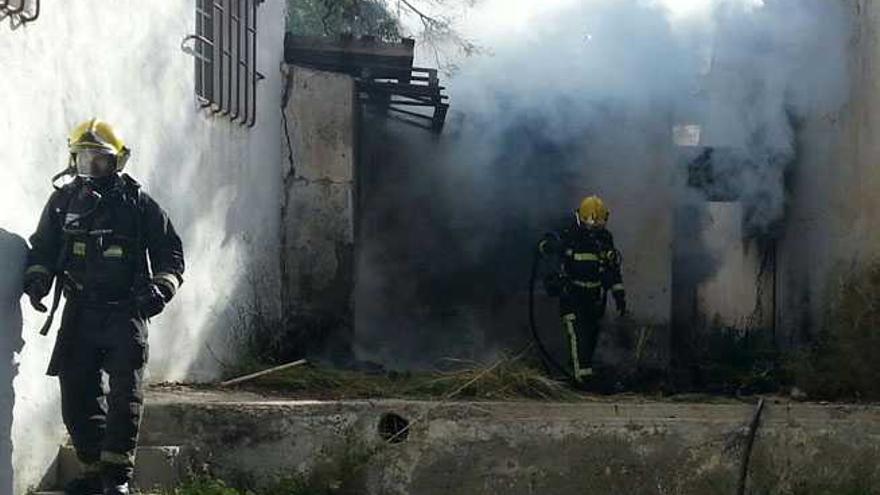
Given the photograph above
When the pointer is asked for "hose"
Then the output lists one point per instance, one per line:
(549, 361)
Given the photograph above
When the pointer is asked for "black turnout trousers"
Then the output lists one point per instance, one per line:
(103, 419)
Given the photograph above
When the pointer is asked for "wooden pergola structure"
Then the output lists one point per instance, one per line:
(384, 73)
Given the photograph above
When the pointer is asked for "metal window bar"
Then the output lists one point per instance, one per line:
(25, 18)
(255, 75)
(14, 10)
(235, 19)
(203, 57)
(217, 26)
(248, 89)
(225, 55)
(8, 8)
(204, 53)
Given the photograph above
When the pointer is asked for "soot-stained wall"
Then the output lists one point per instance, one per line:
(318, 206)
(834, 209)
(448, 225)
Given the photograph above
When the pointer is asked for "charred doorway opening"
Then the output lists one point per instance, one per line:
(724, 277)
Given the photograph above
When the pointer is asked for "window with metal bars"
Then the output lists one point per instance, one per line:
(225, 52)
(23, 11)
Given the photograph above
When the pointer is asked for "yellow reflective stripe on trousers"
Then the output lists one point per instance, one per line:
(38, 269)
(585, 373)
(585, 257)
(569, 320)
(617, 287)
(588, 285)
(79, 248)
(114, 458)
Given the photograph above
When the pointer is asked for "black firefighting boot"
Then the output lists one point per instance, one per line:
(88, 483)
(114, 487)
(116, 478)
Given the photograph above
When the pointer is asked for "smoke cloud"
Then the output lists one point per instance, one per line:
(568, 100)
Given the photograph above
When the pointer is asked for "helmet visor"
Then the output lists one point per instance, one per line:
(590, 222)
(95, 163)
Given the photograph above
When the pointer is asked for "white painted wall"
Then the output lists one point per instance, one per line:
(120, 60)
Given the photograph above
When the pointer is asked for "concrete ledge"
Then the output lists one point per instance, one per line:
(157, 468)
(608, 446)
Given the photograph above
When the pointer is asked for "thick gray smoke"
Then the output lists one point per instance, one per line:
(772, 68)
(583, 99)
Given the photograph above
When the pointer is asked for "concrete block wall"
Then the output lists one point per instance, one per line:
(615, 446)
(318, 213)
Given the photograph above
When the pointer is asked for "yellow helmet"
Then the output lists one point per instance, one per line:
(592, 212)
(97, 136)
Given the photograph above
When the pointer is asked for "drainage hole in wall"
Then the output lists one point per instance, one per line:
(393, 428)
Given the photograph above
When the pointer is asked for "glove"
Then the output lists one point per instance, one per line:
(37, 286)
(149, 300)
(550, 244)
(620, 302)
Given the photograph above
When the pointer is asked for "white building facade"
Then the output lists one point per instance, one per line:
(122, 61)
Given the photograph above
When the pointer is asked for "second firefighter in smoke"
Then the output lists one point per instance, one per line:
(588, 269)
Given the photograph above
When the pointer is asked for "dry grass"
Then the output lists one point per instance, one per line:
(508, 378)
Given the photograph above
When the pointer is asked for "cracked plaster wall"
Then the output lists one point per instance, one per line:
(318, 199)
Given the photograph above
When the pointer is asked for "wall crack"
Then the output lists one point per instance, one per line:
(289, 177)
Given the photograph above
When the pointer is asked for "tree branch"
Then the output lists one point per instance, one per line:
(427, 20)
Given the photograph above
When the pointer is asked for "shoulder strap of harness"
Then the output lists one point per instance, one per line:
(134, 191)
(66, 201)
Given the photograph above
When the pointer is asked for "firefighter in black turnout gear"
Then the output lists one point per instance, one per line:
(114, 254)
(588, 270)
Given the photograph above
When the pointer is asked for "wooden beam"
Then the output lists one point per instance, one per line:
(347, 54)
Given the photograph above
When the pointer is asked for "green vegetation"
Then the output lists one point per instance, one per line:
(301, 485)
(843, 362)
(292, 486)
(431, 22)
(334, 17)
(731, 361)
(339, 472)
(206, 486)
